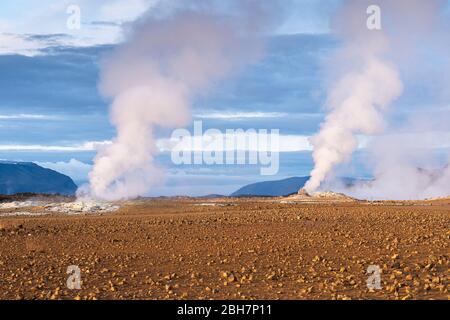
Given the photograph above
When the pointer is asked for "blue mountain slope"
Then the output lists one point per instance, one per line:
(272, 188)
(281, 187)
(26, 177)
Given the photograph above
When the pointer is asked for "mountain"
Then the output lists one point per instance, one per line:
(27, 177)
(272, 188)
(212, 196)
(281, 188)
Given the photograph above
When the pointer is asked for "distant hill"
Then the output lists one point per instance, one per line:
(279, 188)
(272, 188)
(27, 177)
(212, 196)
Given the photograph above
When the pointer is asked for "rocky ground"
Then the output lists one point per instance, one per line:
(230, 249)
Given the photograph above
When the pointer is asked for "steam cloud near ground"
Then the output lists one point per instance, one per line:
(367, 80)
(175, 52)
(172, 53)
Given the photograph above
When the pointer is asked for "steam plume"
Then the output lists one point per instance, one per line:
(366, 86)
(172, 54)
(369, 74)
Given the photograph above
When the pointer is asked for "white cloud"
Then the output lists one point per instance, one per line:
(75, 169)
(25, 116)
(431, 140)
(227, 115)
(86, 146)
(239, 115)
(287, 143)
(290, 143)
(15, 44)
(51, 18)
(228, 142)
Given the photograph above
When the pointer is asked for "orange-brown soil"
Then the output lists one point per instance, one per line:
(231, 249)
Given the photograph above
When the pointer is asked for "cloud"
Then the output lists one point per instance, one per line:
(62, 81)
(16, 44)
(239, 115)
(86, 146)
(226, 142)
(42, 20)
(24, 116)
(287, 143)
(75, 169)
(103, 22)
(70, 76)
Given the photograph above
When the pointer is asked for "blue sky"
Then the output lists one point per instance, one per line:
(52, 114)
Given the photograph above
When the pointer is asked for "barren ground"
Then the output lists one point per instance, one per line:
(247, 249)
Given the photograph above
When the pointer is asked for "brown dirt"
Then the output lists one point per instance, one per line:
(242, 249)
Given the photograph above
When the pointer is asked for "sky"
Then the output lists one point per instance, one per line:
(51, 112)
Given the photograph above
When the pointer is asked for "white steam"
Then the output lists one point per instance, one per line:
(370, 74)
(367, 85)
(172, 54)
(405, 168)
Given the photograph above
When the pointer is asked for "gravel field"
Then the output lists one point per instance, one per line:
(230, 249)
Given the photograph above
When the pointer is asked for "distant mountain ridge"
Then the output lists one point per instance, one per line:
(28, 177)
(279, 188)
